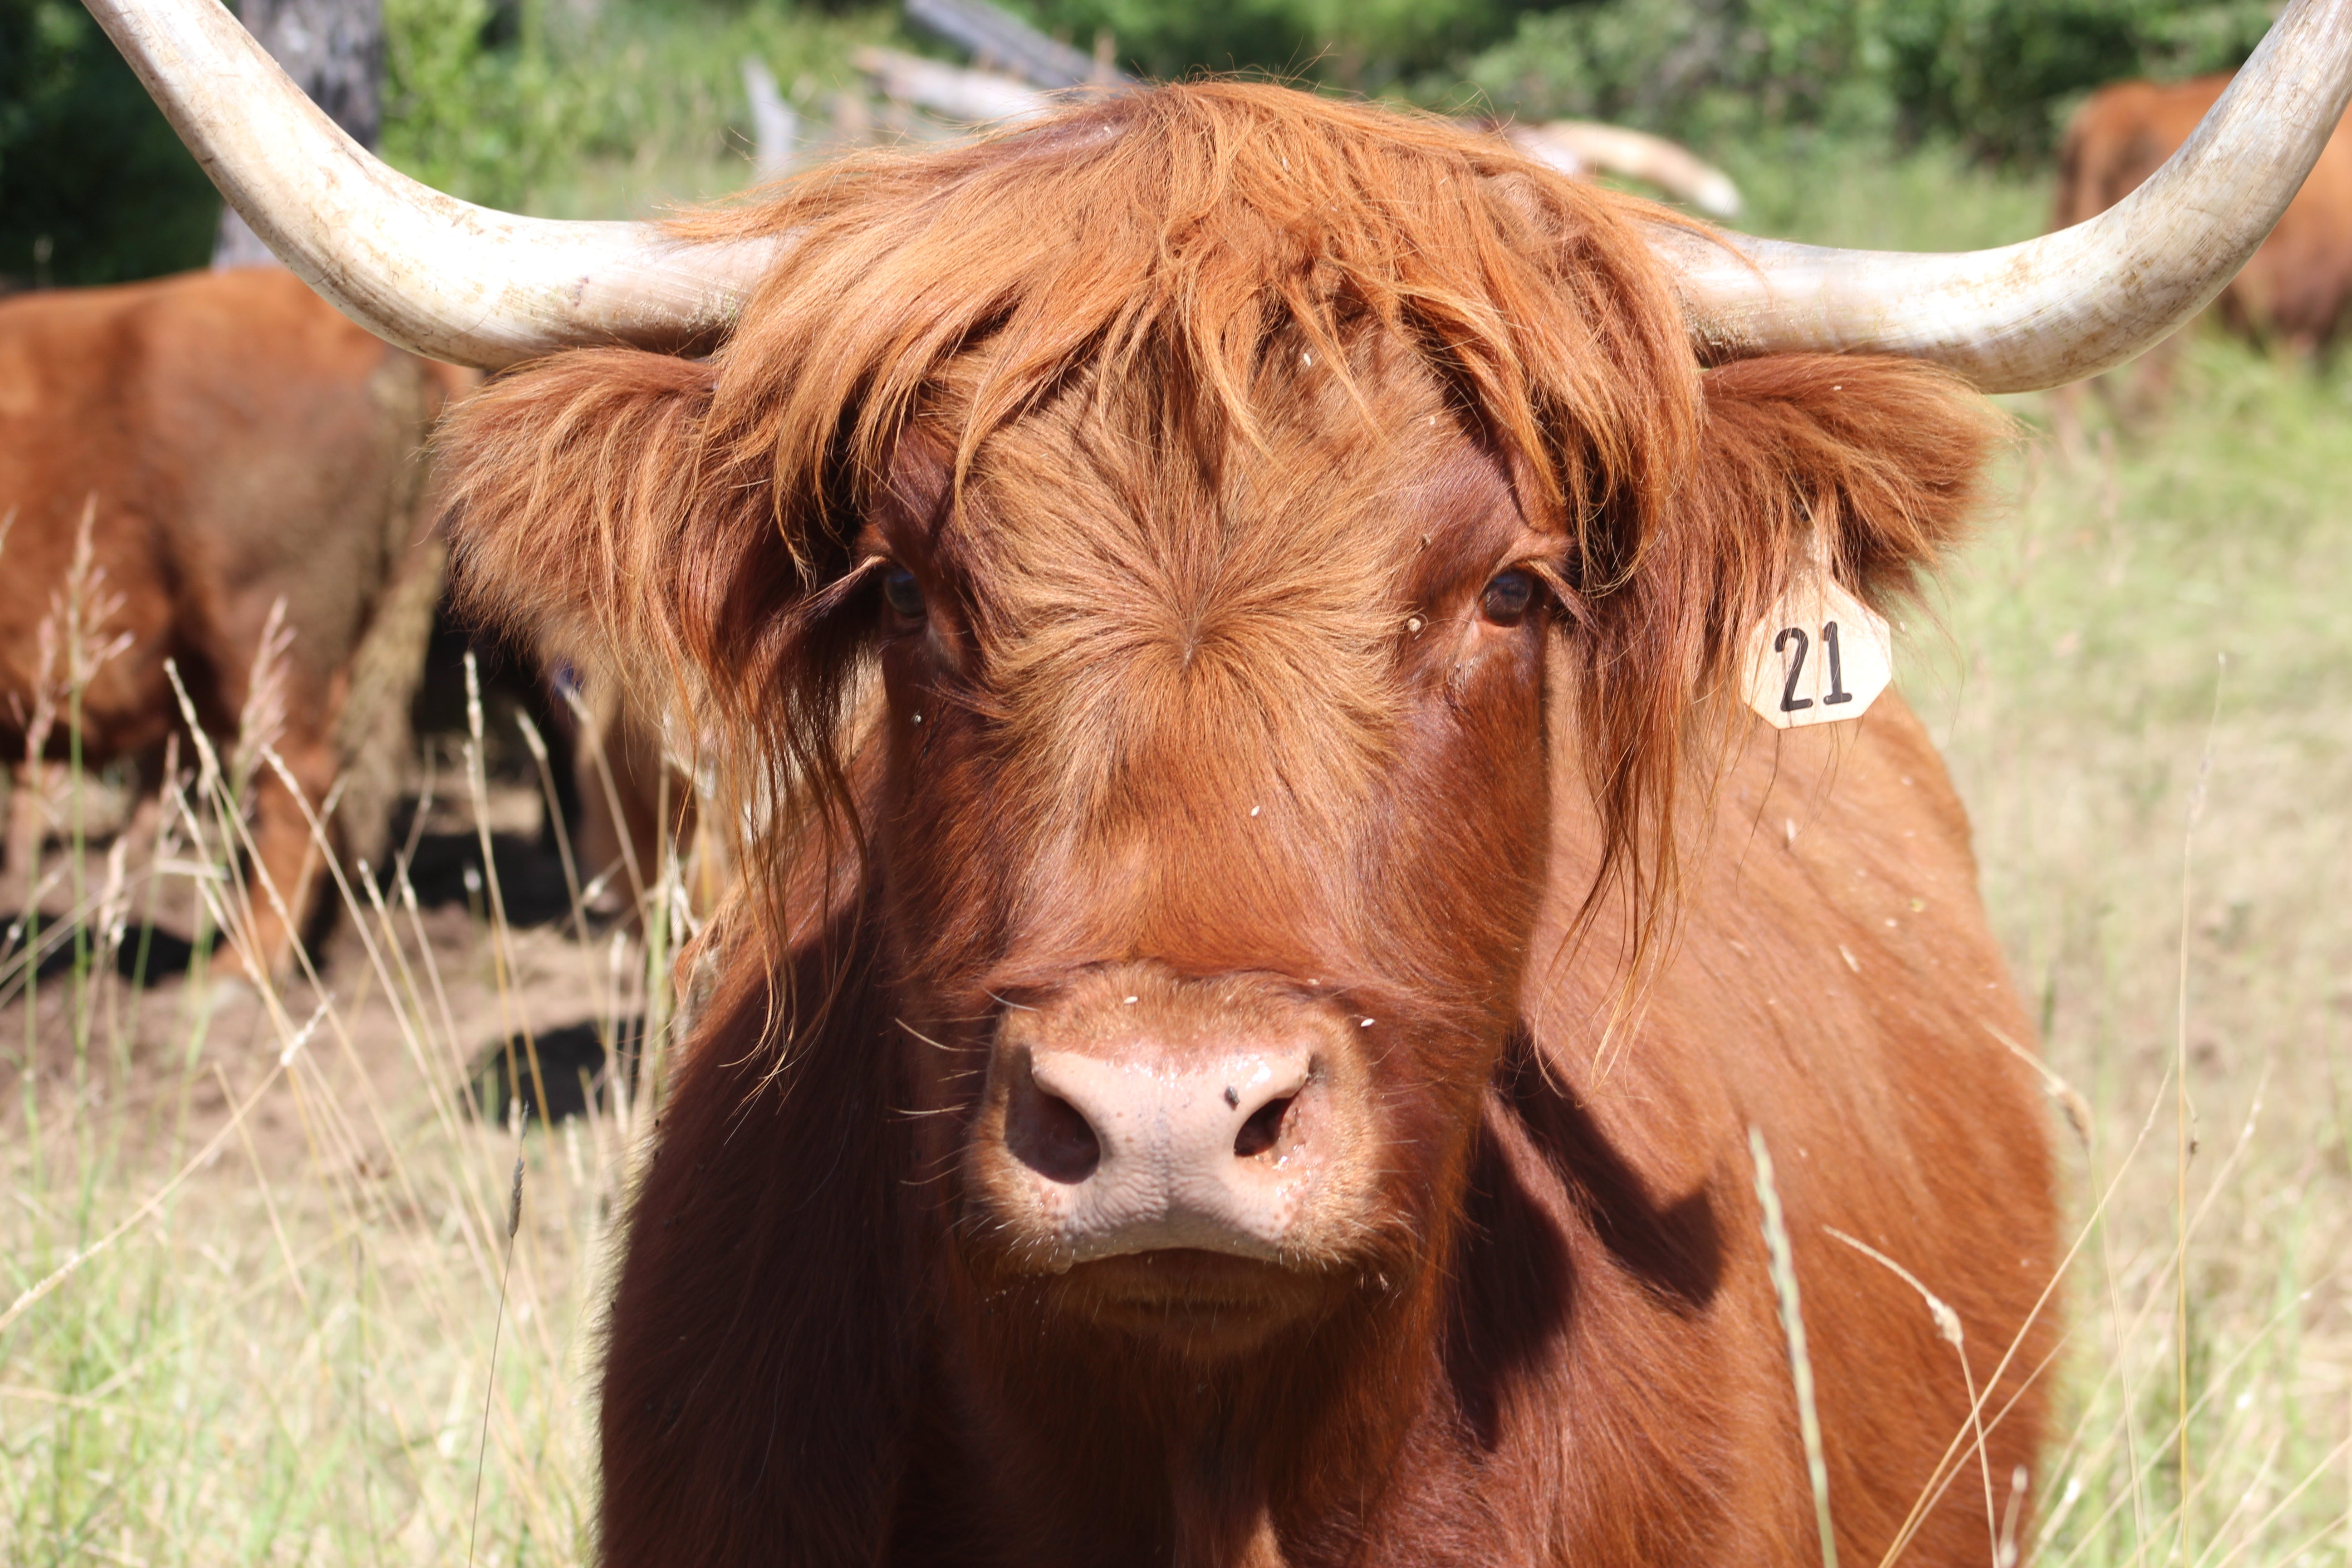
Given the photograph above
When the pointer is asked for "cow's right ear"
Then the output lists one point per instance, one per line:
(598, 505)
(591, 511)
(577, 501)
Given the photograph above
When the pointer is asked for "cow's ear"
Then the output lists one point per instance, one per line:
(1882, 457)
(569, 490)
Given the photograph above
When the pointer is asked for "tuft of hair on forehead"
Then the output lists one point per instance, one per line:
(1182, 230)
(1156, 249)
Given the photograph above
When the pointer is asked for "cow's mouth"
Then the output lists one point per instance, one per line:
(1200, 1302)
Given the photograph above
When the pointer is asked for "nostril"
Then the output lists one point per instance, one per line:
(1264, 1125)
(1046, 1133)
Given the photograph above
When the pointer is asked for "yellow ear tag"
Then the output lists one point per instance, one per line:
(1819, 655)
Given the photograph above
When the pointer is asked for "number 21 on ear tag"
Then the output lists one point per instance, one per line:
(1819, 655)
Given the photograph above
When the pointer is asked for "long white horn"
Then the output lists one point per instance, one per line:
(432, 274)
(2067, 305)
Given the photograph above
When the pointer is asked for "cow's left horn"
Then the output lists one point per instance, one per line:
(2069, 304)
(431, 273)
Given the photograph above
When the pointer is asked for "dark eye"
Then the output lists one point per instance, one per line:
(1507, 598)
(902, 593)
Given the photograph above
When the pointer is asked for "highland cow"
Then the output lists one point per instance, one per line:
(1270, 957)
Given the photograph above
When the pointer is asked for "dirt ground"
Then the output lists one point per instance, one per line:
(402, 1004)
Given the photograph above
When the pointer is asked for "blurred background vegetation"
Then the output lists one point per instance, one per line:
(94, 188)
(578, 108)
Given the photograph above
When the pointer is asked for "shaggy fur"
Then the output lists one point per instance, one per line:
(1202, 420)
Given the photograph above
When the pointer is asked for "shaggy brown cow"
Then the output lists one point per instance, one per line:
(1169, 1109)
(1266, 942)
(2294, 289)
(248, 461)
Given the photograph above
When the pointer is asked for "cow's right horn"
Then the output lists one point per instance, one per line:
(2069, 304)
(431, 273)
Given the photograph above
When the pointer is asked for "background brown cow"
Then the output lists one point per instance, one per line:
(247, 461)
(2295, 290)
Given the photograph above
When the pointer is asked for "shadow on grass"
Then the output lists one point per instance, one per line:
(165, 955)
(571, 1063)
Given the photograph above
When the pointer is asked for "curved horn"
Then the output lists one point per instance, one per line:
(1574, 146)
(432, 274)
(2069, 304)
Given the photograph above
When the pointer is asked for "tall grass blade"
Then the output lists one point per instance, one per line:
(1784, 1265)
(489, 1392)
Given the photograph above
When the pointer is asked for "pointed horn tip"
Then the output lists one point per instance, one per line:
(2067, 305)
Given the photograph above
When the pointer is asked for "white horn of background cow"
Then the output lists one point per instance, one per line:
(2069, 304)
(1577, 147)
(432, 274)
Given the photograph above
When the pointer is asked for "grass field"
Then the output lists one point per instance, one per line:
(254, 1250)
(2143, 681)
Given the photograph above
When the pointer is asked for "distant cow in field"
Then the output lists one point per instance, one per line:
(249, 463)
(2294, 289)
(1269, 941)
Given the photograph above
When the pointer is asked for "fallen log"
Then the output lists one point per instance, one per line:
(997, 38)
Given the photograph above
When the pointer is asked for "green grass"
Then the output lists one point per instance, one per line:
(604, 107)
(1802, 185)
(2143, 682)
(2141, 677)
(255, 1251)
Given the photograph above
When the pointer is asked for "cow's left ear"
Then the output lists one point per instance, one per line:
(1881, 456)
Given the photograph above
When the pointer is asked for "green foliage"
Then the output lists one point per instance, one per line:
(1693, 68)
(1998, 74)
(576, 84)
(1361, 44)
(598, 107)
(477, 122)
(94, 187)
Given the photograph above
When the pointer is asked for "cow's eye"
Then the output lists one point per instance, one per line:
(1507, 598)
(902, 593)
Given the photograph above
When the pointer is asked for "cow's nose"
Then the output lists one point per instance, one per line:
(1143, 1152)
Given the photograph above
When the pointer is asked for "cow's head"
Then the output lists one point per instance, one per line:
(1248, 505)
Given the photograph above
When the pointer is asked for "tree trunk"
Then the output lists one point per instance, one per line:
(335, 51)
